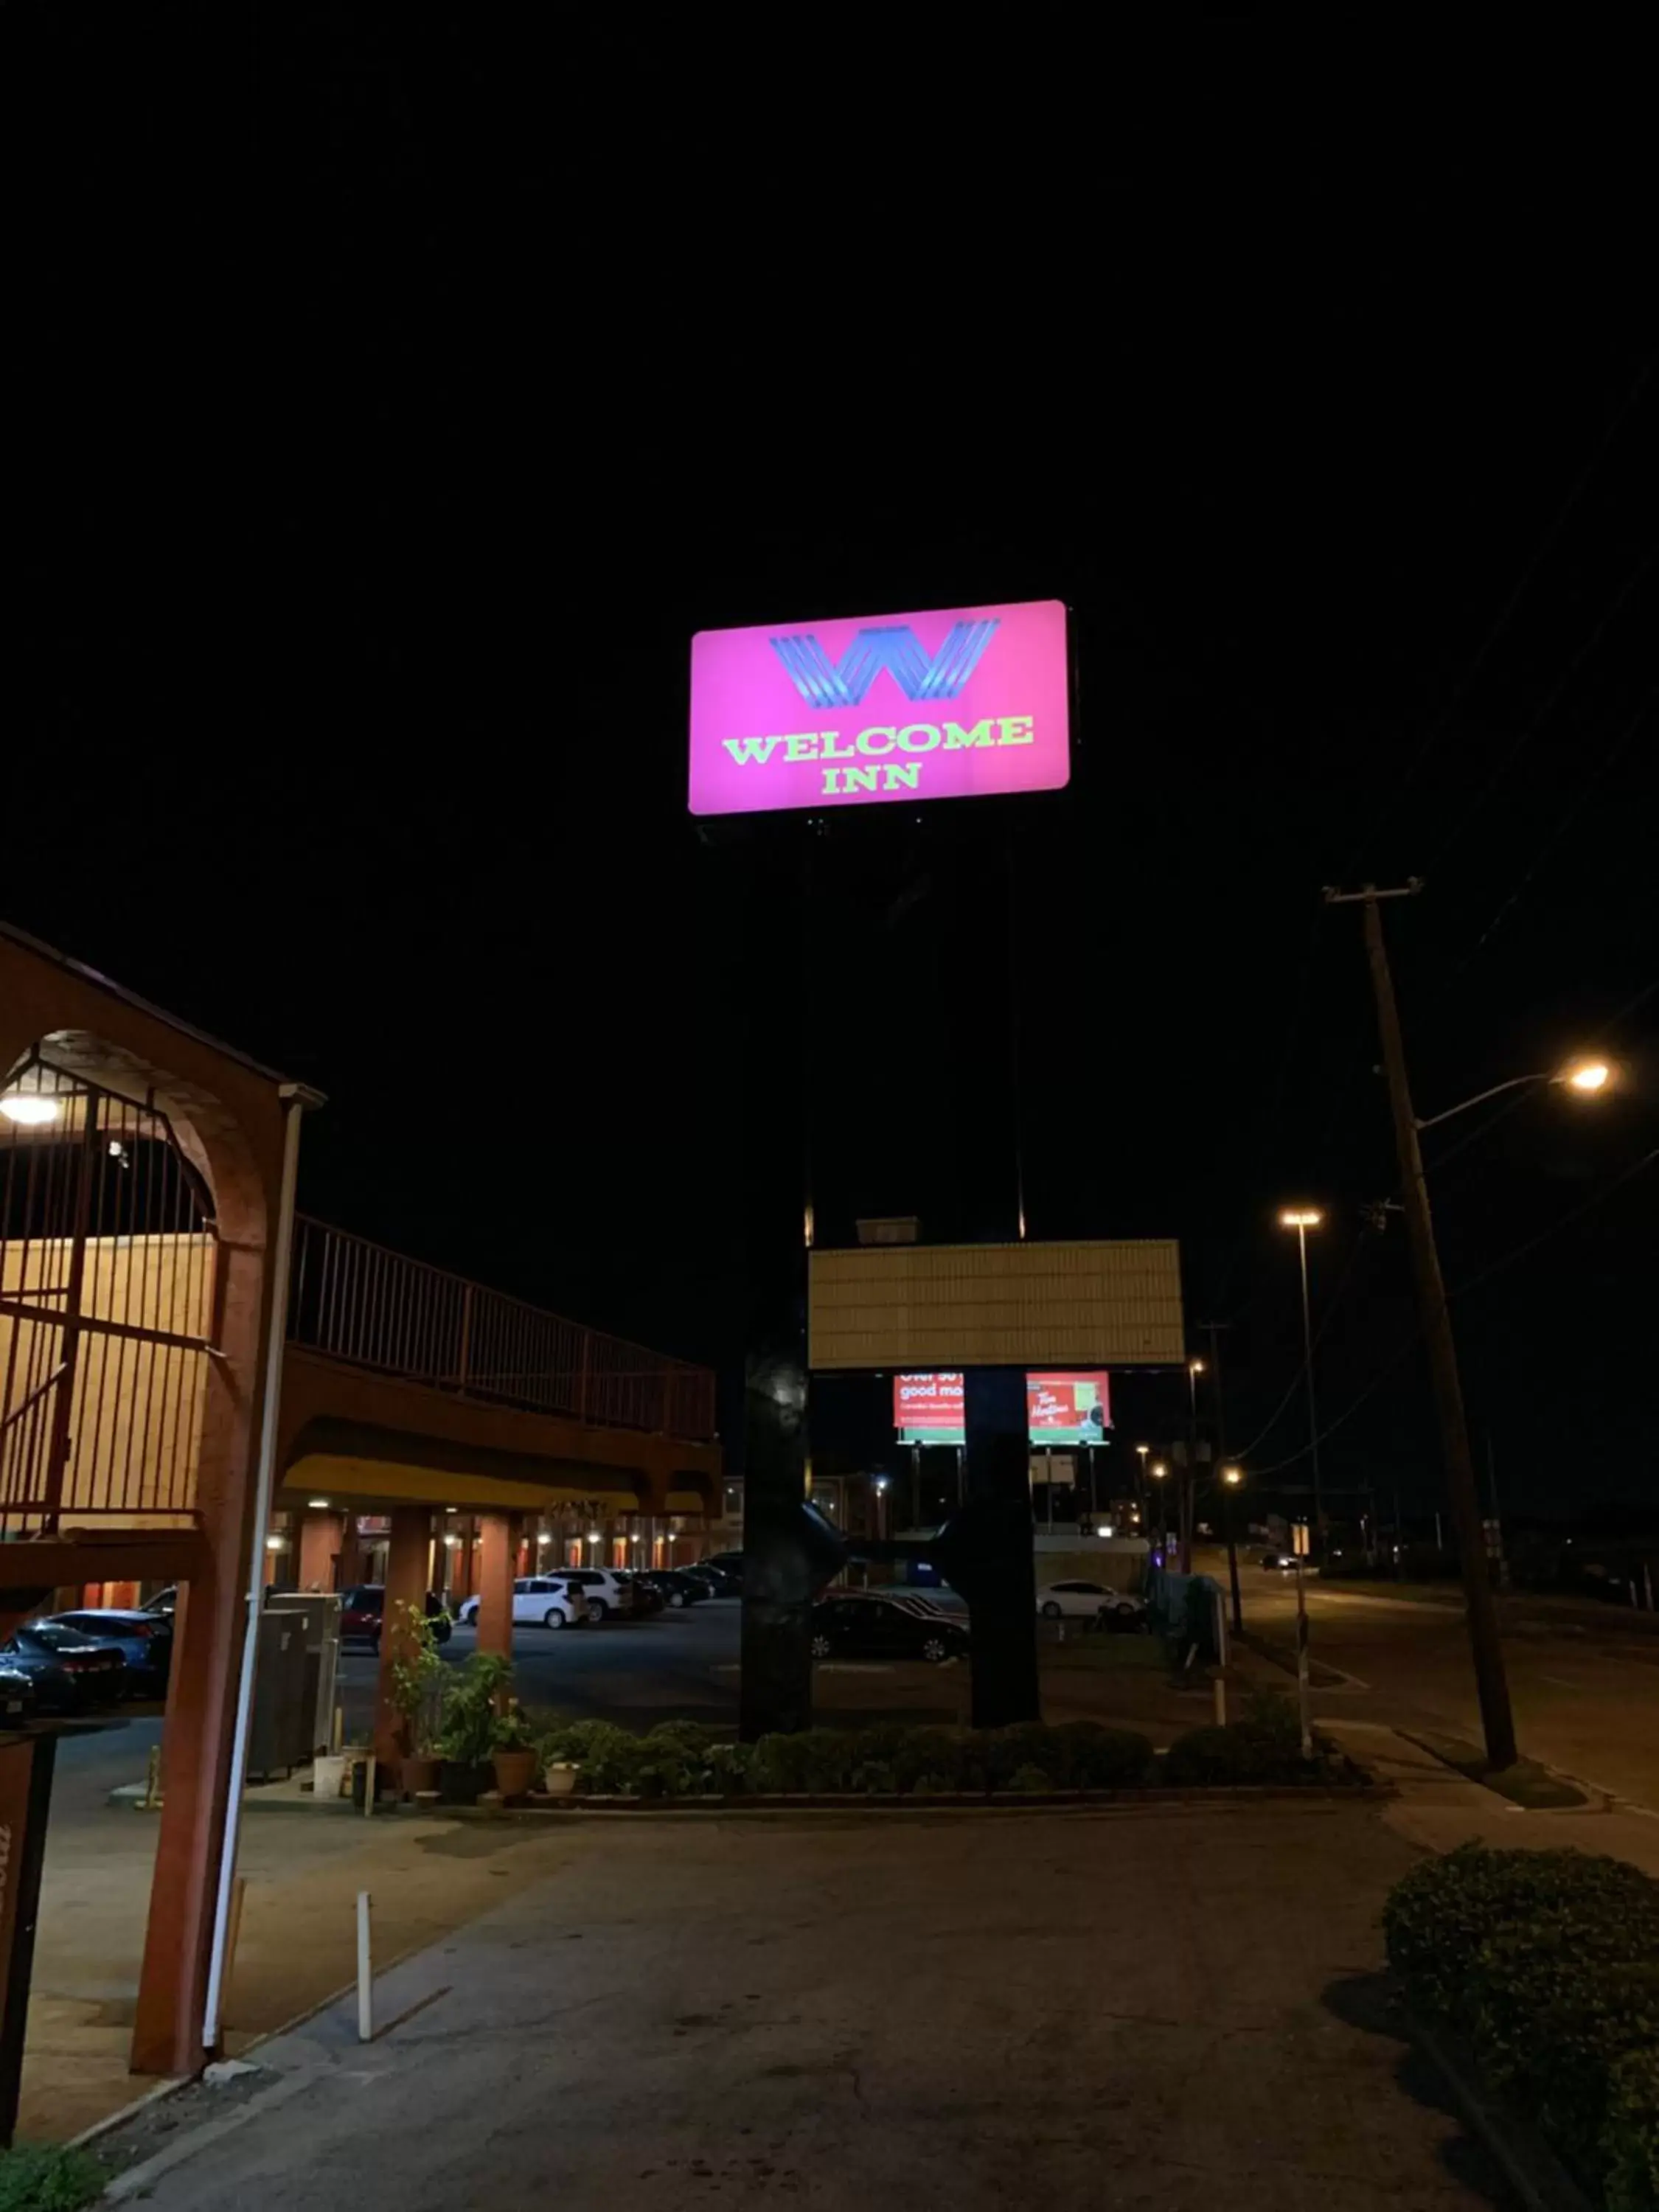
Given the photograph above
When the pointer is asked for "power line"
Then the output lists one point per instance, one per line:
(1557, 831)
(1506, 613)
(1473, 1282)
(1552, 698)
(1296, 1379)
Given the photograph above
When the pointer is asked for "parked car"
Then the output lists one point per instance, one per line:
(1088, 1600)
(601, 1586)
(362, 1608)
(729, 1563)
(144, 1639)
(641, 1600)
(16, 1695)
(69, 1672)
(165, 1601)
(718, 1582)
(870, 1627)
(539, 1601)
(676, 1588)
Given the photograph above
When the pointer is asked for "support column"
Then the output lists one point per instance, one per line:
(999, 1581)
(351, 1552)
(405, 1582)
(321, 1547)
(206, 1664)
(497, 1556)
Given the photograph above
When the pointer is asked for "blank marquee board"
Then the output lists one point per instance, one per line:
(1110, 1303)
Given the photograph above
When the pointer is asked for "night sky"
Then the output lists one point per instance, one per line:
(402, 400)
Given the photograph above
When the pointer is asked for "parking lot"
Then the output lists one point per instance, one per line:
(676, 1664)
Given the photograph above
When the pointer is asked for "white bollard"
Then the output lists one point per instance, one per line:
(365, 1973)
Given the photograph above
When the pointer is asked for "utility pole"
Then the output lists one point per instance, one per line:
(1491, 1684)
(1212, 1329)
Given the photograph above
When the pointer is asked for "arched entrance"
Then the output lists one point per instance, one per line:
(109, 1315)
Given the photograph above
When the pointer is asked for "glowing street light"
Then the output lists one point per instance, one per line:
(1233, 1476)
(1587, 1074)
(1302, 1218)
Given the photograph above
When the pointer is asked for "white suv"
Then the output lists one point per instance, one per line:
(544, 1601)
(606, 1594)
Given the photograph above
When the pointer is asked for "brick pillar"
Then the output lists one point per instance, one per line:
(405, 1579)
(351, 1552)
(496, 1557)
(321, 1545)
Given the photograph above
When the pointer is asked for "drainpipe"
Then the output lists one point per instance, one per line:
(295, 1098)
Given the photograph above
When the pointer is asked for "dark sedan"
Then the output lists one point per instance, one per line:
(718, 1582)
(362, 1611)
(676, 1587)
(144, 1639)
(69, 1672)
(16, 1695)
(867, 1627)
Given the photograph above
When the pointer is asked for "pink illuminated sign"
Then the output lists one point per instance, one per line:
(965, 702)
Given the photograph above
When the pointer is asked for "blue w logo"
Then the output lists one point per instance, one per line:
(822, 683)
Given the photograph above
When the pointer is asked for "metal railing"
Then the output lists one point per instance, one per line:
(108, 1260)
(359, 1302)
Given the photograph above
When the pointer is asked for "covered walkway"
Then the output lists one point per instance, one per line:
(142, 1196)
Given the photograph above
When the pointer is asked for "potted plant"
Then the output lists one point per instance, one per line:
(466, 1741)
(513, 1747)
(417, 1679)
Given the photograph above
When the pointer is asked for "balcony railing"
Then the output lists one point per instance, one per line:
(359, 1302)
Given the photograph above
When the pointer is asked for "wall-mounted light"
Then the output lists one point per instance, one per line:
(30, 1109)
(276, 1543)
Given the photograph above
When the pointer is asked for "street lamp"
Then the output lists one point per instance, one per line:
(1587, 1075)
(1194, 1368)
(1157, 1470)
(1231, 1479)
(881, 1507)
(1302, 1218)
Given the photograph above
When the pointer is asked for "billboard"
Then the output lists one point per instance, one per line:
(1060, 1409)
(1067, 1409)
(928, 1408)
(962, 702)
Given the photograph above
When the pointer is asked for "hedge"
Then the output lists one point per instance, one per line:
(49, 2177)
(1546, 1963)
(680, 1760)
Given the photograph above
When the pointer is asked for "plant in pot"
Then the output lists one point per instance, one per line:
(513, 1747)
(466, 1742)
(418, 1682)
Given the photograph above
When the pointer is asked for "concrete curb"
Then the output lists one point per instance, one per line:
(1001, 1801)
(139, 2180)
(1533, 2170)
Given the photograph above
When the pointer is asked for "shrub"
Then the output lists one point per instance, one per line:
(37, 2178)
(1029, 1781)
(1547, 1963)
(471, 1697)
(1264, 1746)
(817, 1760)
(605, 1753)
(1104, 1758)
(1075, 1755)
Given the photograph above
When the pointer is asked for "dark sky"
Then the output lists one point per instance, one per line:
(401, 398)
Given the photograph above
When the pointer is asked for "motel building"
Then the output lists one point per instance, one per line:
(202, 1388)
